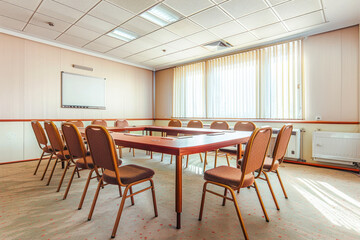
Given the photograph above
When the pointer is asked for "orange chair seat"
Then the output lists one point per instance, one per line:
(267, 164)
(128, 174)
(229, 176)
(65, 156)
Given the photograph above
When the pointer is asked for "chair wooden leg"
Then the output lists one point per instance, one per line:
(271, 190)
(224, 199)
(63, 175)
(239, 214)
(120, 191)
(37, 167)
(187, 161)
(162, 157)
(95, 199)
(85, 189)
(261, 202)
(133, 150)
(119, 213)
(69, 184)
(47, 165)
(78, 172)
(201, 159)
(171, 159)
(282, 186)
(52, 172)
(132, 197)
(216, 155)
(227, 159)
(153, 196)
(120, 151)
(202, 201)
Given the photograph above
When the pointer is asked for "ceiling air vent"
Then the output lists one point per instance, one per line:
(218, 45)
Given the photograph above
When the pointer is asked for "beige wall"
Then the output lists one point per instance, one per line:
(331, 85)
(30, 89)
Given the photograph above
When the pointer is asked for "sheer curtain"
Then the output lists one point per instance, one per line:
(232, 86)
(189, 91)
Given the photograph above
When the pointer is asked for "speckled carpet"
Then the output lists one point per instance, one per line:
(322, 204)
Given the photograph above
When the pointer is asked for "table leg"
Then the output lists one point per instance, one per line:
(238, 153)
(151, 153)
(178, 193)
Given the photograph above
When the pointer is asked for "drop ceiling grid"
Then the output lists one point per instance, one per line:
(84, 23)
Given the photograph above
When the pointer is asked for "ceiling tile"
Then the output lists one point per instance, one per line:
(82, 33)
(241, 39)
(59, 11)
(156, 52)
(218, 1)
(97, 47)
(140, 26)
(270, 30)
(134, 6)
(184, 28)
(10, 23)
(29, 4)
(239, 8)
(259, 19)
(14, 12)
(43, 20)
(140, 44)
(189, 53)
(203, 37)
(163, 36)
(109, 41)
(71, 40)
(276, 2)
(305, 21)
(81, 5)
(210, 17)
(296, 8)
(227, 29)
(111, 13)
(95, 24)
(119, 52)
(188, 7)
(138, 58)
(180, 44)
(160, 60)
(41, 32)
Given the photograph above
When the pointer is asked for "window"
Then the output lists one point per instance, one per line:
(261, 83)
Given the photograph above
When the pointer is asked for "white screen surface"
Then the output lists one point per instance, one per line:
(79, 91)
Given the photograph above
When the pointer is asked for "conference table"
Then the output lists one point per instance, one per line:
(200, 140)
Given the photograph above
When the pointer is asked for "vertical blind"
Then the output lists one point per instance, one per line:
(261, 83)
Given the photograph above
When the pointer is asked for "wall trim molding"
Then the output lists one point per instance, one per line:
(264, 120)
(62, 120)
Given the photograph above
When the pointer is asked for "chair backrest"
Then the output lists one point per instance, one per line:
(77, 123)
(100, 122)
(174, 123)
(102, 148)
(74, 141)
(121, 123)
(244, 126)
(256, 150)
(54, 137)
(222, 125)
(195, 124)
(39, 134)
(282, 141)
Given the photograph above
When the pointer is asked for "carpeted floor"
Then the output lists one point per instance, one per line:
(322, 204)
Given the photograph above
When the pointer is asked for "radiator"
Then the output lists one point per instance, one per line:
(336, 147)
(294, 148)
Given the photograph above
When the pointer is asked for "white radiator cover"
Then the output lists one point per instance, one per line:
(294, 147)
(336, 147)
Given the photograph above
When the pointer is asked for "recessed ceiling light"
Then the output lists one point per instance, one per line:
(161, 15)
(123, 34)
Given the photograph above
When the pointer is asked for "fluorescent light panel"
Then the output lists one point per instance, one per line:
(161, 15)
(123, 34)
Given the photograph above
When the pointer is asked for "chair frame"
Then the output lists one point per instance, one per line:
(201, 126)
(128, 187)
(60, 151)
(287, 127)
(172, 123)
(43, 144)
(103, 122)
(232, 189)
(126, 124)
